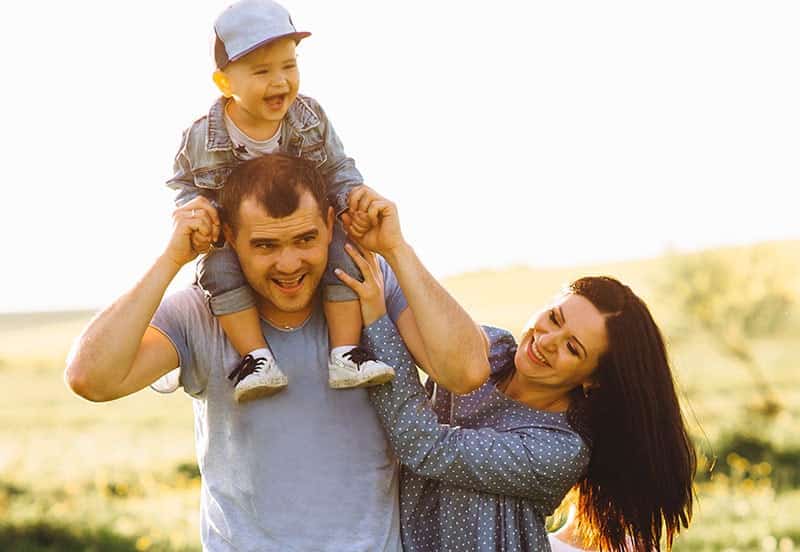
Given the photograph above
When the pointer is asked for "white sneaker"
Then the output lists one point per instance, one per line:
(357, 368)
(257, 377)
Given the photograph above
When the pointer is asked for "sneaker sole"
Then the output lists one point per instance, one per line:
(258, 392)
(354, 383)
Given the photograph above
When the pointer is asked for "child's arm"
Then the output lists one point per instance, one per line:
(339, 170)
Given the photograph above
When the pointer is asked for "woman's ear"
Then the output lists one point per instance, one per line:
(223, 83)
(589, 386)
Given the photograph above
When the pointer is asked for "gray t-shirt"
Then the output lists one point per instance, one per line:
(306, 469)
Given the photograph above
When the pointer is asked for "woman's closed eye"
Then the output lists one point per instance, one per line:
(573, 350)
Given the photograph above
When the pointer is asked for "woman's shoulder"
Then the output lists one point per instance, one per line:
(502, 348)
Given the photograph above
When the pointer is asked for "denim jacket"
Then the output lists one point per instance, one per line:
(207, 156)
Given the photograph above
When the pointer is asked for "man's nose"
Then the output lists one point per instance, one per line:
(288, 261)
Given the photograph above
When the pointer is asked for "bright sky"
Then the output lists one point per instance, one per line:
(542, 133)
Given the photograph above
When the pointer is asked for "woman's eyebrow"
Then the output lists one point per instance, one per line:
(564, 320)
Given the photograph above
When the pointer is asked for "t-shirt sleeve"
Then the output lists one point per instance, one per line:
(395, 300)
(175, 317)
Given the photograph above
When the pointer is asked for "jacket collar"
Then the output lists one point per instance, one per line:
(300, 118)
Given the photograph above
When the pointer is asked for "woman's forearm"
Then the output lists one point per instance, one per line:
(454, 345)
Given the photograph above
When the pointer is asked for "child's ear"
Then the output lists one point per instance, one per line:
(223, 83)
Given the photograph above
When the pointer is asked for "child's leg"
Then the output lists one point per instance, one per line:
(243, 330)
(344, 323)
(232, 302)
(350, 365)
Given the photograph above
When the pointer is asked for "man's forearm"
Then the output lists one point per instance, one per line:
(102, 357)
(455, 346)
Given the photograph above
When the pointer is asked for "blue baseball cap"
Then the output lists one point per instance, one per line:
(250, 24)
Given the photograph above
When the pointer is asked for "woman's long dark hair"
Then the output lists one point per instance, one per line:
(638, 485)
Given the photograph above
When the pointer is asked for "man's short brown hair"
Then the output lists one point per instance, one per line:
(276, 181)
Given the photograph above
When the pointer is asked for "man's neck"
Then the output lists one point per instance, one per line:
(282, 319)
(255, 129)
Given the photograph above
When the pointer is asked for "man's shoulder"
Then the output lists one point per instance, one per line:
(187, 306)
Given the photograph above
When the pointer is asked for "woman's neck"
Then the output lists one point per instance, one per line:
(535, 396)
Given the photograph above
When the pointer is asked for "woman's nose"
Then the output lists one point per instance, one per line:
(547, 340)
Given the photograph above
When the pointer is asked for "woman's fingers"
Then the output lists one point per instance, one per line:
(350, 282)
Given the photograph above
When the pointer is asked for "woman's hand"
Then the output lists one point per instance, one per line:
(370, 291)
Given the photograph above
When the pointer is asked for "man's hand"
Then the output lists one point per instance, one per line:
(372, 221)
(195, 226)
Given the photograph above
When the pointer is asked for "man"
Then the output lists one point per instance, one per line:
(306, 469)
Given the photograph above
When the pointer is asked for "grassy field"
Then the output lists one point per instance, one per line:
(121, 476)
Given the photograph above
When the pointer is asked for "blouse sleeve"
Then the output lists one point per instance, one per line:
(502, 348)
(539, 463)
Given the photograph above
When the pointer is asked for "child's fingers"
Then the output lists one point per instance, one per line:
(355, 197)
(200, 245)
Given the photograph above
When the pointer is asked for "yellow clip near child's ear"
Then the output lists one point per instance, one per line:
(223, 83)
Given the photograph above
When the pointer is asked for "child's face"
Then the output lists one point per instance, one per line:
(263, 84)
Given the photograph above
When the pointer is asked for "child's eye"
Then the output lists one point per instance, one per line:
(553, 317)
(260, 72)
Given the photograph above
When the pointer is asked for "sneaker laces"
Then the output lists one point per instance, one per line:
(247, 366)
(359, 356)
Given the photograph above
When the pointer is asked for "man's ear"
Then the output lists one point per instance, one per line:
(331, 219)
(223, 83)
(230, 235)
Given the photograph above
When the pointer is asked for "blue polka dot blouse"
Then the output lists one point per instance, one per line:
(480, 471)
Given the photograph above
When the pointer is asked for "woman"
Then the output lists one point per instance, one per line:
(586, 400)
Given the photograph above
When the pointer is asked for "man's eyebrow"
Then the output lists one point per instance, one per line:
(308, 234)
(266, 241)
(561, 314)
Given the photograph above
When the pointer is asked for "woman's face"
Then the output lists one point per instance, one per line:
(562, 345)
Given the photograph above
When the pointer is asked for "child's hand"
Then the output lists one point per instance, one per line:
(370, 291)
(208, 231)
(373, 221)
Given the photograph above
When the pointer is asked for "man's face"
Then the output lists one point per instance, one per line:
(284, 258)
(263, 84)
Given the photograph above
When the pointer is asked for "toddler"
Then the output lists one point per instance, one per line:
(261, 112)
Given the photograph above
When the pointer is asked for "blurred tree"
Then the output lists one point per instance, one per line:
(734, 299)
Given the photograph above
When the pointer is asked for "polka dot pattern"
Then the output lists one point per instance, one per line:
(480, 471)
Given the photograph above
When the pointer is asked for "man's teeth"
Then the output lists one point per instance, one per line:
(288, 283)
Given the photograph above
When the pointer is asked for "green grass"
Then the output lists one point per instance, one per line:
(121, 476)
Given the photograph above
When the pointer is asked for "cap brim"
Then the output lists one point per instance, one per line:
(297, 36)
